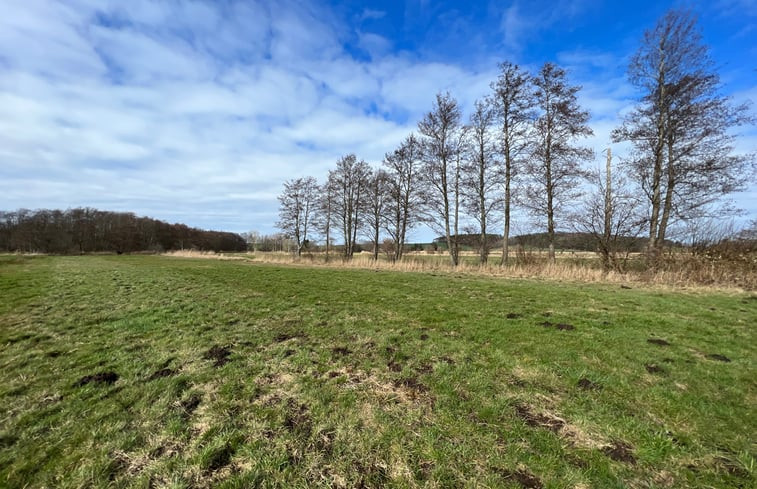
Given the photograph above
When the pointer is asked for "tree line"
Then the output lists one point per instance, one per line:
(521, 147)
(85, 230)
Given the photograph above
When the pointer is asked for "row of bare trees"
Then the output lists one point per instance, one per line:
(521, 146)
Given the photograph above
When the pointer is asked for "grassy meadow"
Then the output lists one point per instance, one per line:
(154, 371)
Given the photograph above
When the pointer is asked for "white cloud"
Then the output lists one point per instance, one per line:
(198, 111)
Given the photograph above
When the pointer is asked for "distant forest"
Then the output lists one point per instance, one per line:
(86, 230)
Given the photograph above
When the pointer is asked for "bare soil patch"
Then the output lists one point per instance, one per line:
(220, 458)
(558, 326)
(220, 355)
(538, 420)
(106, 378)
(297, 417)
(620, 451)
(513, 315)
(190, 404)
(588, 385)
(658, 341)
(523, 477)
(163, 372)
(653, 368)
(718, 357)
(394, 366)
(284, 336)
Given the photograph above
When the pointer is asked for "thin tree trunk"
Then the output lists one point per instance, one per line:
(608, 212)
(550, 209)
(667, 206)
(505, 242)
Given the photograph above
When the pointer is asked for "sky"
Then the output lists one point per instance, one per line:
(198, 111)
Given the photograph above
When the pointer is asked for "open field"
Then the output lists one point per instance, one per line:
(152, 371)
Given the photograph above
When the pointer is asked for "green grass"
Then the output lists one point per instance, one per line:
(343, 378)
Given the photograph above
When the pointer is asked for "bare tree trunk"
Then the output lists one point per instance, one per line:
(550, 203)
(607, 231)
(506, 238)
(456, 241)
(667, 205)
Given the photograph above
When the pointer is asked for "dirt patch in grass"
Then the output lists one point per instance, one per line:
(394, 366)
(412, 384)
(523, 477)
(620, 451)
(558, 326)
(284, 336)
(53, 354)
(653, 368)
(106, 378)
(718, 357)
(219, 458)
(191, 404)
(588, 385)
(341, 351)
(163, 372)
(538, 420)
(424, 337)
(513, 315)
(220, 355)
(297, 417)
(658, 341)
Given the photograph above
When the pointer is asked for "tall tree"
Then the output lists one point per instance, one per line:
(554, 169)
(402, 167)
(349, 180)
(376, 202)
(513, 104)
(296, 205)
(326, 211)
(442, 137)
(680, 128)
(481, 173)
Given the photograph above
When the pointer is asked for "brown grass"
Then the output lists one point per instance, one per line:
(681, 271)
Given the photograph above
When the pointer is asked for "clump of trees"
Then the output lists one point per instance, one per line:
(86, 230)
(522, 148)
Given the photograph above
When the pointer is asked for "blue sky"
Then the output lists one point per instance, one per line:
(197, 111)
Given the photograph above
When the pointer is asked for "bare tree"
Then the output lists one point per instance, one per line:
(376, 202)
(326, 211)
(349, 181)
(252, 238)
(683, 149)
(514, 109)
(402, 167)
(297, 203)
(611, 213)
(481, 173)
(554, 169)
(442, 136)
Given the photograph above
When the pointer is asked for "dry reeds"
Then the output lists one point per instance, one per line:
(681, 270)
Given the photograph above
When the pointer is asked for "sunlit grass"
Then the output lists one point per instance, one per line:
(237, 374)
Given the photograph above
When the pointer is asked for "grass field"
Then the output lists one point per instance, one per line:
(148, 371)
